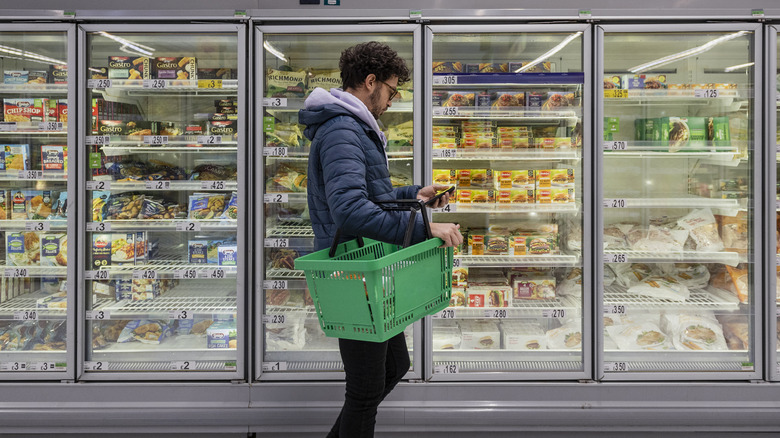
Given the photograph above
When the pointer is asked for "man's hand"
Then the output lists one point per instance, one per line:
(449, 233)
(429, 192)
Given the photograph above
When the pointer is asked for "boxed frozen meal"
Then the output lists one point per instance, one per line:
(54, 249)
(631, 82)
(221, 334)
(144, 289)
(38, 77)
(718, 131)
(228, 255)
(38, 204)
(478, 142)
(447, 67)
(198, 251)
(559, 99)
(16, 157)
(445, 176)
(476, 242)
(535, 100)
(23, 249)
(129, 67)
(544, 196)
(285, 83)
(517, 335)
(483, 196)
(25, 110)
(222, 127)
(101, 250)
(561, 195)
(58, 74)
(507, 99)
(15, 76)
(446, 338)
(5, 204)
(459, 99)
(111, 127)
(18, 205)
(561, 177)
(533, 287)
(175, 68)
(480, 335)
(58, 300)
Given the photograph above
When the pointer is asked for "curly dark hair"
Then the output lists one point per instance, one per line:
(357, 62)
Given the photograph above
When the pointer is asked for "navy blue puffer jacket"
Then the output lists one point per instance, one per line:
(348, 169)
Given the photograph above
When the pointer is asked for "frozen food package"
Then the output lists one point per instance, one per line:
(447, 67)
(663, 288)
(285, 83)
(691, 275)
(734, 281)
(736, 330)
(694, 331)
(734, 231)
(533, 287)
(565, 337)
(628, 275)
(325, 79)
(615, 235)
(517, 335)
(703, 230)
(446, 338)
(572, 283)
(657, 239)
(642, 336)
(480, 335)
(290, 335)
(459, 99)
(145, 331)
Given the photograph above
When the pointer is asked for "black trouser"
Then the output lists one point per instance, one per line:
(372, 371)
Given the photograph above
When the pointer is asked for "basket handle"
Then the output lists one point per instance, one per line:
(414, 206)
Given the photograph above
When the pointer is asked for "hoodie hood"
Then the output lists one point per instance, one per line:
(316, 110)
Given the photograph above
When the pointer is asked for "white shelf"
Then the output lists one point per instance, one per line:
(510, 261)
(732, 158)
(160, 307)
(700, 299)
(20, 225)
(135, 87)
(519, 114)
(520, 309)
(297, 104)
(229, 186)
(170, 224)
(33, 88)
(686, 201)
(726, 258)
(504, 155)
(111, 151)
(28, 302)
(290, 231)
(167, 268)
(283, 274)
(35, 271)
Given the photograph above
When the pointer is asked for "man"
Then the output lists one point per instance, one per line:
(348, 169)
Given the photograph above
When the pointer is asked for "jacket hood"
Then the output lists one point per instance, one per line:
(322, 106)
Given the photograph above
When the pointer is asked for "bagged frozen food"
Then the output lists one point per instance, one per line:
(657, 239)
(571, 284)
(615, 235)
(663, 288)
(642, 336)
(734, 231)
(691, 275)
(694, 332)
(609, 276)
(289, 335)
(285, 83)
(628, 275)
(736, 330)
(734, 281)
(145, 331)
(703, 230)
(565, 337)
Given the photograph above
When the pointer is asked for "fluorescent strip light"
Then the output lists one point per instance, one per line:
(686, 53)
(272, 50)
(140, 48)
(31, 56)
(737, 67)
(550, 52)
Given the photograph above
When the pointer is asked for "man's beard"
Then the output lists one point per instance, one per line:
(373, 103)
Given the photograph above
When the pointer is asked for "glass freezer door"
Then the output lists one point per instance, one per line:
(680, 282)
(506, 114)
(773, 209)
(162, 161)
(35, 286)
(291, 64)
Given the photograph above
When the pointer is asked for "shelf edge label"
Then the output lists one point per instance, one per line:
(275, 284)
(275, 102)
(446, 369)
(274, 366)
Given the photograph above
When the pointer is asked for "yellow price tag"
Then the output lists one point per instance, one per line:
(209, 83)
(620, 94)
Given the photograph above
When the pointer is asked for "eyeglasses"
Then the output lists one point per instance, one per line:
(393, 90)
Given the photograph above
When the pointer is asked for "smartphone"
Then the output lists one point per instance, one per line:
(433, 200)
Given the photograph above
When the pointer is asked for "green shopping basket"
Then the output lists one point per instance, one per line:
(368, 290)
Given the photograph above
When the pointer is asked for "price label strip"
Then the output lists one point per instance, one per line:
(275, 152)
(158, 185)
(99, 83)
(16, 273)
(30, 174)
(214, 274)
(50, 126)
(444, 153)
(26, 315)
(98, 315)
(615, 145)
(146, 274)
(98, 227)
(275, 102)
(615, 258)
(615, 94)
(209, 139)
(13, 366)
(445, 314)
(98, 185)
(445, 80)
(7, 126)
(615, 309)
(456, 263)
(185, 274)
(155, 140)
(274, 319)
(97, 275)
(155, 84)
(98, 140)
(209, 83)
(616, 367)
(213, 185)
(614, 203)
(96, 366)
(708, 93)
(554, 313)
(37, 226)
(276, 243)
(183, 365)
(180, 314)
(46, 366)
(446, 369)
(275, 198)
(496, 313)
(188, 226)
(275, 284)
(449, 208)
(446, 111)
(274, 366)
